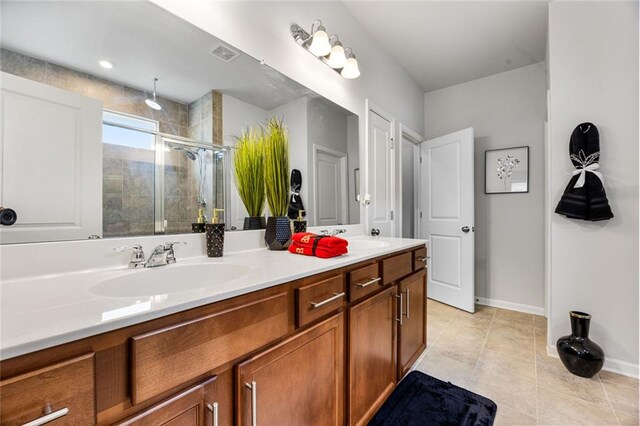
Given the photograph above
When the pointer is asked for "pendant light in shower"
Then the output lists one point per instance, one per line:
(152, 102)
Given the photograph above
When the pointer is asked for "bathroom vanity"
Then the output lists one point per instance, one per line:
(325, 346)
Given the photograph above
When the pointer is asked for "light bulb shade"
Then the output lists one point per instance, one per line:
(337, 58)
(351, 69)
(153, 104)
(320, 45)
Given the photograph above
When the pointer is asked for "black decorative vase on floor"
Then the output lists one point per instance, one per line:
(278, 233)
(580, 355)
(254, 222)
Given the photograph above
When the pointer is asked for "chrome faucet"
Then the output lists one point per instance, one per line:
(333, 232)
(162, 255)
(137, 255)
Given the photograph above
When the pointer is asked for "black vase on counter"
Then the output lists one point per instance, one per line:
(254, 222)
(278, 233)
(577, 352)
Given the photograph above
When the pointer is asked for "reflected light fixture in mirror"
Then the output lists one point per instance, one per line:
(319, 44)
(153, 103)
(105, 64)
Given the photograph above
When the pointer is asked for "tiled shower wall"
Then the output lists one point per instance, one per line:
(128, 173)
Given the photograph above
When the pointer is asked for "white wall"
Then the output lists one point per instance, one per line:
(505, 110)
(593, 70)
(262, 30)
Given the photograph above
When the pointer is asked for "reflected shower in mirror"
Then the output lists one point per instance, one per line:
(159, 167)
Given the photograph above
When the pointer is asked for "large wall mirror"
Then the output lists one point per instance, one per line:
(93, 146)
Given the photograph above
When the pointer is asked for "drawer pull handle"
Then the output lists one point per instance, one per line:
(399, 318)
(336, 296)
(407, 301)
(49, 416)
(254, 401)
(214, 413)
(368, 283)
(421, 259)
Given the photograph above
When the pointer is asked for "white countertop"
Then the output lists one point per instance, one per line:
(45, 311)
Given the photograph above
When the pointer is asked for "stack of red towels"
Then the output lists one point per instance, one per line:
(322, 246)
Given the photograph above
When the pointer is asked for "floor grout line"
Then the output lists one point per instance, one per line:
(608, 399)
(484, 342)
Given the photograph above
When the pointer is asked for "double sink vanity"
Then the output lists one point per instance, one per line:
(255, 337)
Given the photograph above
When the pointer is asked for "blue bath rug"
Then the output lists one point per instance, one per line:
(424, 400)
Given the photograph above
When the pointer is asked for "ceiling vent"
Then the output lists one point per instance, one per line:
(224, 52)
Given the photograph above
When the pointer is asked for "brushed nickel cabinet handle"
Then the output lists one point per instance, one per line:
(336, 296)
(214, 413)
(421, 259)
(399, 318)
(368, 283)
(49, 416)
(254, 402)
(407, 302)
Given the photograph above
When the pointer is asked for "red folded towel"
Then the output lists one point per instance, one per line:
(308, 238)
(322, 252)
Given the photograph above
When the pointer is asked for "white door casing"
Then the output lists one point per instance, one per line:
(51, 167)
(329, 186)
(381, 159)
(447, 207)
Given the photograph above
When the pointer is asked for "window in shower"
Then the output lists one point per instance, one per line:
(128, 179)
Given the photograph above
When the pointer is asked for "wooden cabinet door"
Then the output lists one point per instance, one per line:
(412, 333)
(372, 355)
(187, 408)
(297, 382)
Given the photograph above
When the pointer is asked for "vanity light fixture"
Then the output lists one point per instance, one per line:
(152, 102)
(333, 54)
(105, 64)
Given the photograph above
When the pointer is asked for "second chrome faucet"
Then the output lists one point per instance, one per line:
(161, 255)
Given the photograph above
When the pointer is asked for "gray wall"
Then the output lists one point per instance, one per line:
(506, 110)
(593, 69)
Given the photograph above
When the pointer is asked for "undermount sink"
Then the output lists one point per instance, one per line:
(169, 279)
(365, 244)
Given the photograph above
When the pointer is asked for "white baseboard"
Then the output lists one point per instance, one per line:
(610, 364)
(527, 309)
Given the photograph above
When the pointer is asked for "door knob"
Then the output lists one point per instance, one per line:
(465, 229)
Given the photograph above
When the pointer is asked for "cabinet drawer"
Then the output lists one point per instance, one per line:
(318, 299)
(420, 258)
(396, 267)
(166, 358)
(363, 281)
(65, 389)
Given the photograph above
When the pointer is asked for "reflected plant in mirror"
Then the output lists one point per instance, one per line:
(248, 162)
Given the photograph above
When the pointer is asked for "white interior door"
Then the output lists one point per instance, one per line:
(330, 187)
(448, 217)
(380, 146)
(51, 167)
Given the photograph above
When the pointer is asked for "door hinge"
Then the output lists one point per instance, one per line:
(391, 214)
(420, 215)
(420, 159)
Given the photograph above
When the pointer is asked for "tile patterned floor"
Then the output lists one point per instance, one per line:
(501, 354)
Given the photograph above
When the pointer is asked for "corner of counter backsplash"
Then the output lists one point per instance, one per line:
(36, 259)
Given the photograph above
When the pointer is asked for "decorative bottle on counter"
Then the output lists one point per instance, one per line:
(300, 225)
(215, 235)
(198, 226)
(578, 353)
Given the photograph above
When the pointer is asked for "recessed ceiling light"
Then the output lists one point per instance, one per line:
(105, 64)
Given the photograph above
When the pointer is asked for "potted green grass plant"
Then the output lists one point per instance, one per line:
(248, 162)
(276, 177)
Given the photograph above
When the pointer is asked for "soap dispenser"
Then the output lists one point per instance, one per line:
(215, 235)
(300, 225)
(199, 226)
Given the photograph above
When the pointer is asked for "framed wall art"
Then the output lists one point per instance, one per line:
(506, 170)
